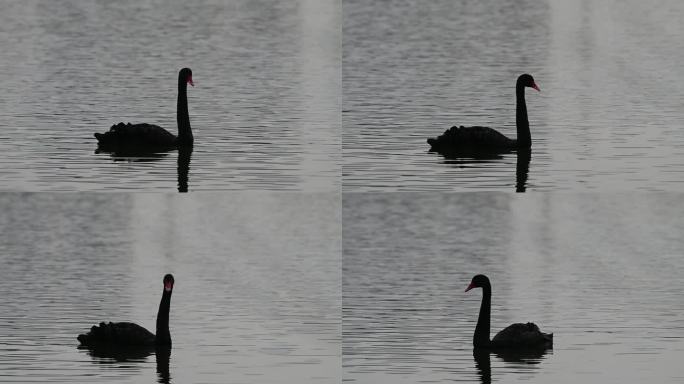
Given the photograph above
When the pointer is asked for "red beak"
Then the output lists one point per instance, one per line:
(191, 83)
(534, 85)
(168, 286)
(471, 286)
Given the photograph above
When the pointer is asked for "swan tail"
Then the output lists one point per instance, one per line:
(109, 136)
(83, 338)
(103, 138)
(437, 143)
(92, 336)
(548, 340)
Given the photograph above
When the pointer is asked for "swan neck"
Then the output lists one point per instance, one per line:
(184, 130)
(481, 337)
(521, 121)
(163, 336)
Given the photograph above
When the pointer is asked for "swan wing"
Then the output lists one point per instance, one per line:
(470, 137)
(136, 135)
(522, 335)
(123, 333)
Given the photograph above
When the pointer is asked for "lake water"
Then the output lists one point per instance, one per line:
(264, 110)
(608, 116)
(600, 271)
(256, 299)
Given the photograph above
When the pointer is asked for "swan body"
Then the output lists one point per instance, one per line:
(518, 336)
(126, 334)
(521, 335)
(465, 138)
(152, 137)
(137, 136)
(123, 333)
(484, 139)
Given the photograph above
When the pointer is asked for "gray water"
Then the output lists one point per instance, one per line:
(264, 109)
(601, 271)
(256, 299)
(609, 115)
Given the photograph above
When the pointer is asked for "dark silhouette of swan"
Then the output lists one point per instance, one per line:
(517, 336)
(129, 334)
(147, 137)
(484, 139)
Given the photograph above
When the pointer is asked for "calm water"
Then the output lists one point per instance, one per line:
(603, 272)
(256, 299)
(608, 117)
(264, 110)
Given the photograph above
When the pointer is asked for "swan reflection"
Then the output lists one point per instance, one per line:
(514, 358)
(139, 156)
(468, 157)
(107, 354)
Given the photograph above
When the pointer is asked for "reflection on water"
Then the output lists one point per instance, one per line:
(183, 163)
(522, 164)
(605, 119)
(110, 355)
(523, 359)
(483, 365)
(256, 294)
(184, 155)
(163, 355)
(522, 168)
(133, 156)
(264, 109)
(600, 271)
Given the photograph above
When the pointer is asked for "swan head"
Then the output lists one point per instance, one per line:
(526, 80)
(185, 76)
(479, 281)
(168, 283)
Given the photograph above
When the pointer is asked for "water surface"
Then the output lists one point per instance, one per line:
(608, 116)
(600, 271)
(264, 109)
(256, 299)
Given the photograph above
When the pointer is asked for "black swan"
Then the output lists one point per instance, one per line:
(152, 137)
(474, 139)
(129, 334)
(514, 337)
